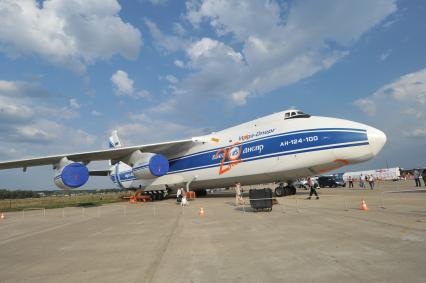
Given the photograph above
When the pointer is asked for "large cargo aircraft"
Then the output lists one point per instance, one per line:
(277, 148)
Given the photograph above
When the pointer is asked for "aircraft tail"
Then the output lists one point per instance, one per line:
(114, 141)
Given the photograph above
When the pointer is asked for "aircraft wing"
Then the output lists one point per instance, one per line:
(167, 148)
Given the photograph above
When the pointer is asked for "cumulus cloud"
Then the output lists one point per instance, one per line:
(171, 79)
(179, 63)
(74, 104)
(399, 105)
(70, 33)
(240, 97)
(27, 116)
(123, 85)
(266, 45)
(366, 105)
(165, 43)
(143, 129)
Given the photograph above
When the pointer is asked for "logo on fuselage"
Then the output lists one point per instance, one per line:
(230, 157)
(246, 137)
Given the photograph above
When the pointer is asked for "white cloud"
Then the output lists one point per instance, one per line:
(240, 97)
(74, 104)
(123, 85)
(410, 88)
(179, 29)
(179, 63)
(266, 45)
(144, 94)
(158, 2)
(142, 129)
(166, 43)
(416, 133)
(27, 116)
(399, 106)
(366, 105)
(171, 79)
(70, 33)
(385, 55)
(95, 113)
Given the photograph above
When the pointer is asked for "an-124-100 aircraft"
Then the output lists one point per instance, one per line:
(277, 148)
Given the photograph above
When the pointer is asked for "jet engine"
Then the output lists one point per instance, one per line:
(148, 165)
(70, 175)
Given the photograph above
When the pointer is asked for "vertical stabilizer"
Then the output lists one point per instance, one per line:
(114, 141)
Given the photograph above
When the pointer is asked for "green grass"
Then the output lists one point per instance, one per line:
(60, 201)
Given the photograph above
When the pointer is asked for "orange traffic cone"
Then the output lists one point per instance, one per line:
(201, 212)
(2, 216)
(364, 206)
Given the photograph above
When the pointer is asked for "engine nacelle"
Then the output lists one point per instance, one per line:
(150, 165)
(71, 176)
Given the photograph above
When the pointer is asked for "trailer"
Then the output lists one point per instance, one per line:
(387, 174)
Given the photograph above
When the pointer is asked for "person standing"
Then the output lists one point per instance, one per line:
(238, 194)
(179, 195)
(424, 176)
(416, 175)
(371, 181)
(313, 191)
(351, 182)
(361, 181)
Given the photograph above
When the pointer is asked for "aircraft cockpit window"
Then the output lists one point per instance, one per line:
(296, 114)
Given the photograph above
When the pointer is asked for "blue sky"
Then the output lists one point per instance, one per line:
(157, 70)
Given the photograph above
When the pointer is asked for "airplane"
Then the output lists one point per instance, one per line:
(280, 147)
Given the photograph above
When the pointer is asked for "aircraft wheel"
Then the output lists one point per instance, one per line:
(279, 192)
(286, 191)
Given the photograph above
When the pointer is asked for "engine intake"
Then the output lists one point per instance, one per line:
(150, 165)
(71, 176)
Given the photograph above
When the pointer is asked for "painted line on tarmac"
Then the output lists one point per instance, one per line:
(408, 191)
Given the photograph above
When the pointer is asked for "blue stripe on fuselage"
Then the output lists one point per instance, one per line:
(273, 145)
(270, 146)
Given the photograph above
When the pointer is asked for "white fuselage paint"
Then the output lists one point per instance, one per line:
(267, 149)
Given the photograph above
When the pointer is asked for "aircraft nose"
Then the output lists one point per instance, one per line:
(377, 139)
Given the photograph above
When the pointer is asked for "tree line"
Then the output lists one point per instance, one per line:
(6, 194)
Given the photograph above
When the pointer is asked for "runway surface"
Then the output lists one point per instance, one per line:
(325, 240)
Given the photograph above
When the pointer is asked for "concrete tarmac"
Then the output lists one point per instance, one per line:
(325, 240)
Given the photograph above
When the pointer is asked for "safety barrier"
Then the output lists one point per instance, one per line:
(32, 209)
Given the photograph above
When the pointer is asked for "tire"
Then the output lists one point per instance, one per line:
(279, 192)
(292, 190)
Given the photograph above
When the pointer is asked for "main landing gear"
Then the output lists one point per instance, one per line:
(282, 191)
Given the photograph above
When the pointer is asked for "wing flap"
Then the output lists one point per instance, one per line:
(169, 149)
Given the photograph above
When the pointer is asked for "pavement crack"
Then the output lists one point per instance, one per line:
(152, 269)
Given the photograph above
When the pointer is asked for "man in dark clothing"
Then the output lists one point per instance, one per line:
(416, 175)
(311, 184)
(351, 182)
(424, 176)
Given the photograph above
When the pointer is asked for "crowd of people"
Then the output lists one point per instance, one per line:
(363, 180)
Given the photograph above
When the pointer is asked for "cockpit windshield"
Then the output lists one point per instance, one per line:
(292, 114)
